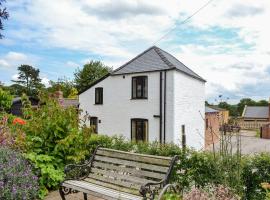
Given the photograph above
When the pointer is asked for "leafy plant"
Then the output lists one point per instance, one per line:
(54, 139)
(17, 179)
(5, 100)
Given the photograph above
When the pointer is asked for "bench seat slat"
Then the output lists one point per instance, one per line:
(132, 163)
(100, 191)
(121, 176)
(115, 181)
(139, 173)
(113, 186)
(159, 160)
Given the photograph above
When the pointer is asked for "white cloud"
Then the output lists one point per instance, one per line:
(12, 60)
(72, 64)
(14, 77)
(45, 81)
(118, 30)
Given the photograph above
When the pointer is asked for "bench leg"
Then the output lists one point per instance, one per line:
(62, 193)
(84, 196)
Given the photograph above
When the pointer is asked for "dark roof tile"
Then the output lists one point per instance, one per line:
(154, 59)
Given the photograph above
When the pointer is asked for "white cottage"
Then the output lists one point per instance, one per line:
(150, 98)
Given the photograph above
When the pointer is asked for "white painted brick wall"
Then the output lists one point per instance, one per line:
(118, 108)
(189, 109)
(185, 98)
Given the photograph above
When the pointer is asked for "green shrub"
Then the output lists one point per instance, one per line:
(54, 139)
(5, 100)
(17, 179)
(256, 171)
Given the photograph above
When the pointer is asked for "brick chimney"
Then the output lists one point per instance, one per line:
(58, 94)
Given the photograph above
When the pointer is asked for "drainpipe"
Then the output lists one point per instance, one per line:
(165, 82)
(160, 107)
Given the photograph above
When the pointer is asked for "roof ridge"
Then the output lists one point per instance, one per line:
(139, 55)
(181, 63)
(163, 58)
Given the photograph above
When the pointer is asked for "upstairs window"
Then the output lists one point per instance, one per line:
(139, 130)
(139, 87)
(99, 95)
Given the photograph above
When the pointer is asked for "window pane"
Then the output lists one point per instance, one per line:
(139, 130)
(99, 96)
(139, 87)
(134, 87)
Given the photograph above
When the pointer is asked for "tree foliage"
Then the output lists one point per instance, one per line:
(90, 72)
(236, 110)
(63, 84)
(3, 16)
(29, 78)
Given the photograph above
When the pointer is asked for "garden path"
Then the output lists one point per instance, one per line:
(77, 196)
(250, 144)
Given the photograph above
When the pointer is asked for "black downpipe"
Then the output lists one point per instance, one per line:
(165, 80)
(160, 107)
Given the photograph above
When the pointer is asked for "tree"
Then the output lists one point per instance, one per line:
(29, 78)
(62, 84)
(90, 72)
(3, 16)
(16, 89)
(243, 102)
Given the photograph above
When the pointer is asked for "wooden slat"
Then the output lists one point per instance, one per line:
(114, 187)
(134, 171)
(100, 191)
(121, 176)
(132, 163)
(158, 160)
(113, 181)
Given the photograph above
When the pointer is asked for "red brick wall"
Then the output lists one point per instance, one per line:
(211, 128)
(266, 131)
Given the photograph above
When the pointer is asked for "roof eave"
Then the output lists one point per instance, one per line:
(94, 83)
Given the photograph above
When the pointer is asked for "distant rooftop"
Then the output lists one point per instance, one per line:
(256, 112)
(210, 110)
(154, 59)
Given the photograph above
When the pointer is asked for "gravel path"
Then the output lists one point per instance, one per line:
(250, 144)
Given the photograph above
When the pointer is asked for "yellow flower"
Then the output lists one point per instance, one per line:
(265, 186)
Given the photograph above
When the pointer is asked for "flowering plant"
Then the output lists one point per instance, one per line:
(17, 180)
(18, 121)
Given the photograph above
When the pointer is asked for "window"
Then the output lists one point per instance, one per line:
(99, 95)
(139, 87)
(94, 124)
(139, 130)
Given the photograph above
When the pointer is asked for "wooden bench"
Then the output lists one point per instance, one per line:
(112, 174)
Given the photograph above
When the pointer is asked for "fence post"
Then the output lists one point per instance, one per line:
(183, 137)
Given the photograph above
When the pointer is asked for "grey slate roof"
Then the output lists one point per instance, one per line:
(256, 112)
(154, 59)
(210, 110)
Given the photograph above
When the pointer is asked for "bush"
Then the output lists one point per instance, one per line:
(54, 139)
(256, 171)
(17, 180)
(5, 100)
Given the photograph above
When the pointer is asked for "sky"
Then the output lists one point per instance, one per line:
(227, 43)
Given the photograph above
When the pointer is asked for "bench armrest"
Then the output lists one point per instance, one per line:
(73, 171)
(79, 171)
(151, 189)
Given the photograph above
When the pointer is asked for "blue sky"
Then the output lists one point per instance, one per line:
(227, 43)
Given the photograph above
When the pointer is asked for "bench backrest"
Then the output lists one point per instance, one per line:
(127, 172)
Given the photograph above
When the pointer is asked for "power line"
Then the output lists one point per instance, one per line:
(184, 21)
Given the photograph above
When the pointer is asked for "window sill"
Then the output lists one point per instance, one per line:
(138, 98)
(98, 104)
